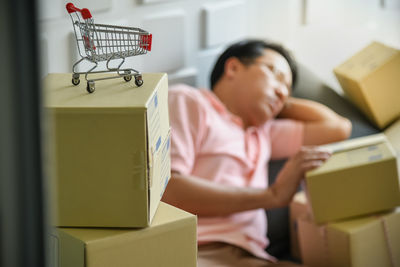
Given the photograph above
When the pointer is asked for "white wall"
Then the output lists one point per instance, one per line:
(334, 30)
(189, 34)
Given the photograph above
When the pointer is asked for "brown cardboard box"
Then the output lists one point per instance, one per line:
(312, 244)
(361, 177)
(298, 209)
(170, 241)
(363, 242)
(393, 135)
(371, 79)
(111, 150)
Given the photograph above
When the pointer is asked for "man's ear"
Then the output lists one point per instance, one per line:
(232, 65)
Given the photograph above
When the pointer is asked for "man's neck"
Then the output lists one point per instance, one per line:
(226, 94)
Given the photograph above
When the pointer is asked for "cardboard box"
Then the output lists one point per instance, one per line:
(362, 242)
(361, 177)
(170, 241)
(111, 150)
(298, 209)
(371, 79)
(392, 133)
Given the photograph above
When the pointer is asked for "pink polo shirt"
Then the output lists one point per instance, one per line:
(209, 142)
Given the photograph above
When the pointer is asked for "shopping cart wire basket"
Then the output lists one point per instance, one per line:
(100, 42)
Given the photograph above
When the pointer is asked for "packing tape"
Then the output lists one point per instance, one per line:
(326, 246)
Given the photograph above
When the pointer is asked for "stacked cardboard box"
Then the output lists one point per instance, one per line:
(360, 179)
(111, 149)
(170, 241)
(371, 240)
(371, 79)
(111, 167)
(361, 242)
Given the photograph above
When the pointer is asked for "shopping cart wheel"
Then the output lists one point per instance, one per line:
(75, 81)
(90, 87)
(128, 78)
(138, 81)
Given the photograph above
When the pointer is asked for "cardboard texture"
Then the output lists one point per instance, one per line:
(298, 209)
(371, 79)
(361, 177)
(393, 135)
(170, 241)
(362, 242)
(111, 150)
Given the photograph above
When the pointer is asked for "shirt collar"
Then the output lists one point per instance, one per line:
(221, 108)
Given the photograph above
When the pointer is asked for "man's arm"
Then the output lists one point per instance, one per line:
(322, 125)
(205, 198)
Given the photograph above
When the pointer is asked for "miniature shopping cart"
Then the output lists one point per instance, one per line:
(99, 42)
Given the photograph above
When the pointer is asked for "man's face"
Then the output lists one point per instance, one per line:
(264, 87)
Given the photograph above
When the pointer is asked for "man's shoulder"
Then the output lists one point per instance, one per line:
(278, 123)
(186, 92)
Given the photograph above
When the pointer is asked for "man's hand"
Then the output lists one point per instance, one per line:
(292, 173)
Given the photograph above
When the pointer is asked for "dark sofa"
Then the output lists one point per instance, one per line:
(313, 88)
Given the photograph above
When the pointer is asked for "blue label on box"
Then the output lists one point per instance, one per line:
(158, 143)
(375, 157)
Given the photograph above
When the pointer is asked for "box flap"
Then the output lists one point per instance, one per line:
(109, 93)
(366, 61)
(71, 249)
(353, 225)
(165, 214)
(350, 144)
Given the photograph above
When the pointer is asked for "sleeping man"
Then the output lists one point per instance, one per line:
(223, 139)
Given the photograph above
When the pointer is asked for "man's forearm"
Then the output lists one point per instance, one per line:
(307, 110)
(205, 198)
(322, 125)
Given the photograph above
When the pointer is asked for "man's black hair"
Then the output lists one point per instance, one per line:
(247, 51)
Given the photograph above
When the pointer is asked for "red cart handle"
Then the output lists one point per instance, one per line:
(84, 11)
(146, 41)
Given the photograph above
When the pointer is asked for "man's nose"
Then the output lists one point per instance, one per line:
(281, 91)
